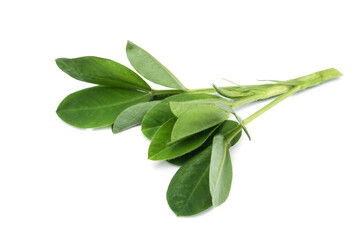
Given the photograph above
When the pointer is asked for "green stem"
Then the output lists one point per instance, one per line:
(175, 91)
(271, 91)
(302, 83)
(262, 110)
(202, 90)
(271, 104)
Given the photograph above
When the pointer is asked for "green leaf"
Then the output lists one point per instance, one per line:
(150, 68)
(197, 120)
(180, 161)
(188, 192)
(178, 108)
(102, 71)
(161, 147)
(225, 128)
(132, 116)
(98, 106)
(225, 107)
(161, 112)
(220, 171)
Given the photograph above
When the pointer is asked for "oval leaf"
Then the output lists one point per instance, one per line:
(150, 68)
(102, 71)
(97, 106)
(188, 192)
(161, 112)
(196, 120)
(161, 147)
(224, 129)
(132, 116)
(220, 171)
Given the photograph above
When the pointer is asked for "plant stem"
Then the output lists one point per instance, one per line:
(175, 91)
(303, 83)
(262, 110)
(271, 104)
(286, 88)
(271, 91)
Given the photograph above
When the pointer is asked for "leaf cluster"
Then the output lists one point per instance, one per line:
(188, 128)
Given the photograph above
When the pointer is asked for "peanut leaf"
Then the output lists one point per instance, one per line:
(102, 71)
(220, 171)
(150, 68)
(132, 116)
(178, 108)
(196, 120)
(97, 106)
(188, 192)
(161, 147)
(161, 112)
(225, 129)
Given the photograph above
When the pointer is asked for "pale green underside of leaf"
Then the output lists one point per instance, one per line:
(161, 112)
(196, 120)
(150, 68)
(132, 116)
(102, 71)
(97, 106)
(220, 171)
(161, 147)
(224, 107)
(178, 108)
(188, 192)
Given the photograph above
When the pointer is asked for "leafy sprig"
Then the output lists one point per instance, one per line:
(187, 127)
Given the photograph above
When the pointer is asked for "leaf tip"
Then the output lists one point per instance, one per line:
(114, 129)
(150, 154)
(60, 62)
(129, 45)
(59, 109)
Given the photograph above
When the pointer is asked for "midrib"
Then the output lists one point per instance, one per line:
(102, 107)
(197, 184)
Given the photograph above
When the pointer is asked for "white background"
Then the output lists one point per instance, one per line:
(299, 178)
